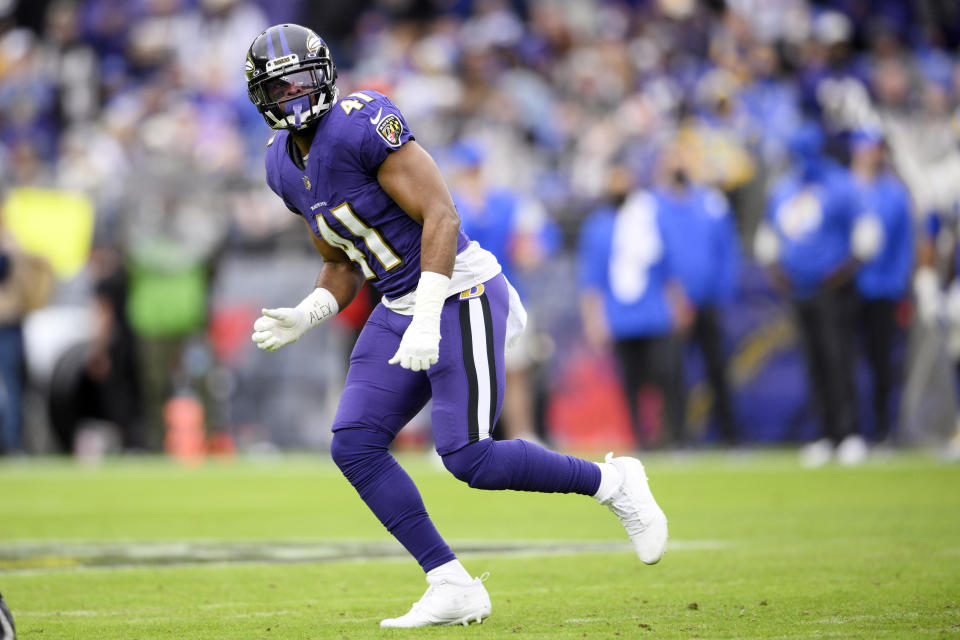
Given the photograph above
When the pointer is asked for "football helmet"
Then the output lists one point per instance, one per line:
(291, 76)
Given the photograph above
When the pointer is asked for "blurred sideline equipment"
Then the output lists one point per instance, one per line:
(56, 225)
(378, 210)
(185, 437)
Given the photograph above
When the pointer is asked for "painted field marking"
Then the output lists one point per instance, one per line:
(45, 557)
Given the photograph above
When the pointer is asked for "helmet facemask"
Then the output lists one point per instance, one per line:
(295, 99)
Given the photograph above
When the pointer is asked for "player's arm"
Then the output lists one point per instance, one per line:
(593, 317)
(865, 233)
(337, 285)
(682, 310)
(767, 250)
(592, 280)
(411, 177)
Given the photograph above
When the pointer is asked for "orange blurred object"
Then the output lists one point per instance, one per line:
(587, 409)
(221, 445)
(185, 439)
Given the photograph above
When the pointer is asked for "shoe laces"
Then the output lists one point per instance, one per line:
(629, 516)
(624, 504)
(431, 590)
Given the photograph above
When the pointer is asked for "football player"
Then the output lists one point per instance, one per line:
(378, 210)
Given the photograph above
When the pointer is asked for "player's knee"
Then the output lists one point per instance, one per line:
(476, 465)
(351, 448)
(459, 466)
(342, 451)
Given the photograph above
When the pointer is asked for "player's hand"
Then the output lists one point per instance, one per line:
(420, 345)
(279, 327)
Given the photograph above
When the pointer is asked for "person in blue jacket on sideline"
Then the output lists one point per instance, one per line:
(632, 300)
(884, 280)
(813, 239)
(704, 248)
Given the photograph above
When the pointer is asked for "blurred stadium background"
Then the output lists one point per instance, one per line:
(134, 203)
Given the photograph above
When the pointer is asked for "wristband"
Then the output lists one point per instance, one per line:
(431, 293)
(318, 306)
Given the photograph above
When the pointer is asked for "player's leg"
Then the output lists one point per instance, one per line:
(852, 449)
(709, 336)
(879, 326)
(377, 401)
(665, 359)
(468, 384)
(808, 313)
(630, 358)
(518, 400)
(11, 390)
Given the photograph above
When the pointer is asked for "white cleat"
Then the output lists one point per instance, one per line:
(816, 454)
(446, 603)
(639, 513)
(852, 451)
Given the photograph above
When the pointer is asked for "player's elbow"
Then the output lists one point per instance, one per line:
(442, 214)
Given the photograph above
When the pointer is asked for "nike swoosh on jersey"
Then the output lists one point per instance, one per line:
(376, 119)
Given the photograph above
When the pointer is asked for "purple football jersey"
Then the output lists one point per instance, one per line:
(339, 196)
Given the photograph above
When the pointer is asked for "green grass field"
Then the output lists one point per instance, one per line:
(143, 548)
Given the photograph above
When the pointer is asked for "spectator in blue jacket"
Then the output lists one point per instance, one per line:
(631, 298)
(704, 250)
(806, 241)
(884, 280)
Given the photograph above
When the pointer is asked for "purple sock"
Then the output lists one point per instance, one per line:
(522, 466)
(364, 459)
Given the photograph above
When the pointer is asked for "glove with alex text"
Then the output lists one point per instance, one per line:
(285, 325)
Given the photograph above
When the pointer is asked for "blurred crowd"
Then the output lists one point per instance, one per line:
(682, 191)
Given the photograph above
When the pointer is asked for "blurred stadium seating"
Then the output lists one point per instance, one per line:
(137, 111)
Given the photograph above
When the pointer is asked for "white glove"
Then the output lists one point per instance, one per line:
(279, 327)
(420, 346)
